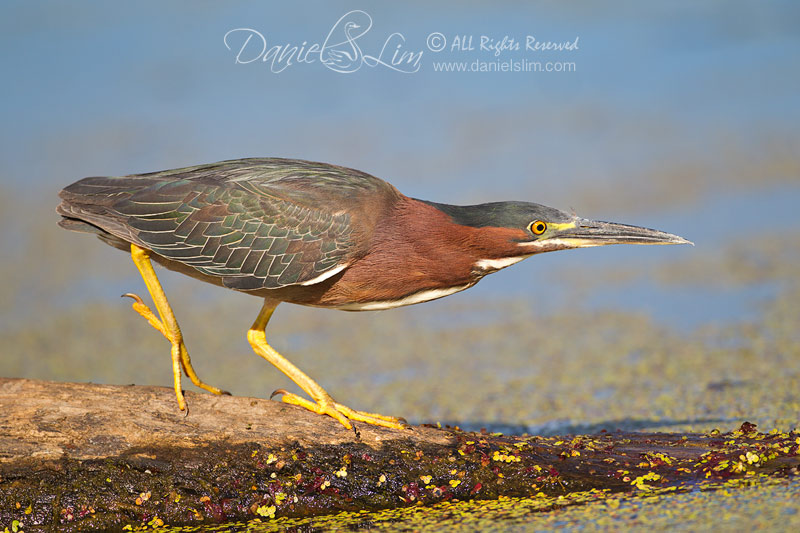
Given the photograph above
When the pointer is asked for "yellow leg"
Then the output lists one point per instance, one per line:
(323, 404)
(167, 325)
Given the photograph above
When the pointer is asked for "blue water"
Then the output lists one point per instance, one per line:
(102, 88)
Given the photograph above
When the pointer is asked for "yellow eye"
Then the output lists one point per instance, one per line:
(537, 227)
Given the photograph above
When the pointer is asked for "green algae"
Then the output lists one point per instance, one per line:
(733, 505)
(223, 483)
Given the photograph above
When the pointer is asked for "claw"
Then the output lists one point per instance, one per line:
(278, 392)
(134, 296)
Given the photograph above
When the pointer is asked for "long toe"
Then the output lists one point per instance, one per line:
(314, 407)
(342, 413)
(373, 418)
(370, 418)
(212, 389)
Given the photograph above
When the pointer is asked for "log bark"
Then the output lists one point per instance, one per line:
(83, 456)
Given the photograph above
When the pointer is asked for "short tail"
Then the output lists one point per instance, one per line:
(73, 224)
(87, 206)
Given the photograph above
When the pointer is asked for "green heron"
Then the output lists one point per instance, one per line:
(313, 234)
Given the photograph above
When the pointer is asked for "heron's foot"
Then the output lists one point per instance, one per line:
(341, 412)
(176, 339)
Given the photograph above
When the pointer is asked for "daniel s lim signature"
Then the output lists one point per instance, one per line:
(340, 51)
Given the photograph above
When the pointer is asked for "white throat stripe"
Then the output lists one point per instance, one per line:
(497, 264)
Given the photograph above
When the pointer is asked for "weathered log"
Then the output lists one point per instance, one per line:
(84, 456)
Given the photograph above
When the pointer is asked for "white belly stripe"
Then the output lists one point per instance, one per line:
(417, 297)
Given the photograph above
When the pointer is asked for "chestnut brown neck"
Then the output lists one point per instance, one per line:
(438, 246)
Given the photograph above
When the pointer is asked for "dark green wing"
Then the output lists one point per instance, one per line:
(266, 224)
(250, 241)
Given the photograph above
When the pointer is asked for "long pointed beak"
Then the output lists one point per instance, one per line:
(586, 233)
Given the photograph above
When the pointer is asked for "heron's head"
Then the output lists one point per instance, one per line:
(517, 230)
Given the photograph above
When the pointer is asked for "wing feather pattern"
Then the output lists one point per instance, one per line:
(254, 224)
(250, 241)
